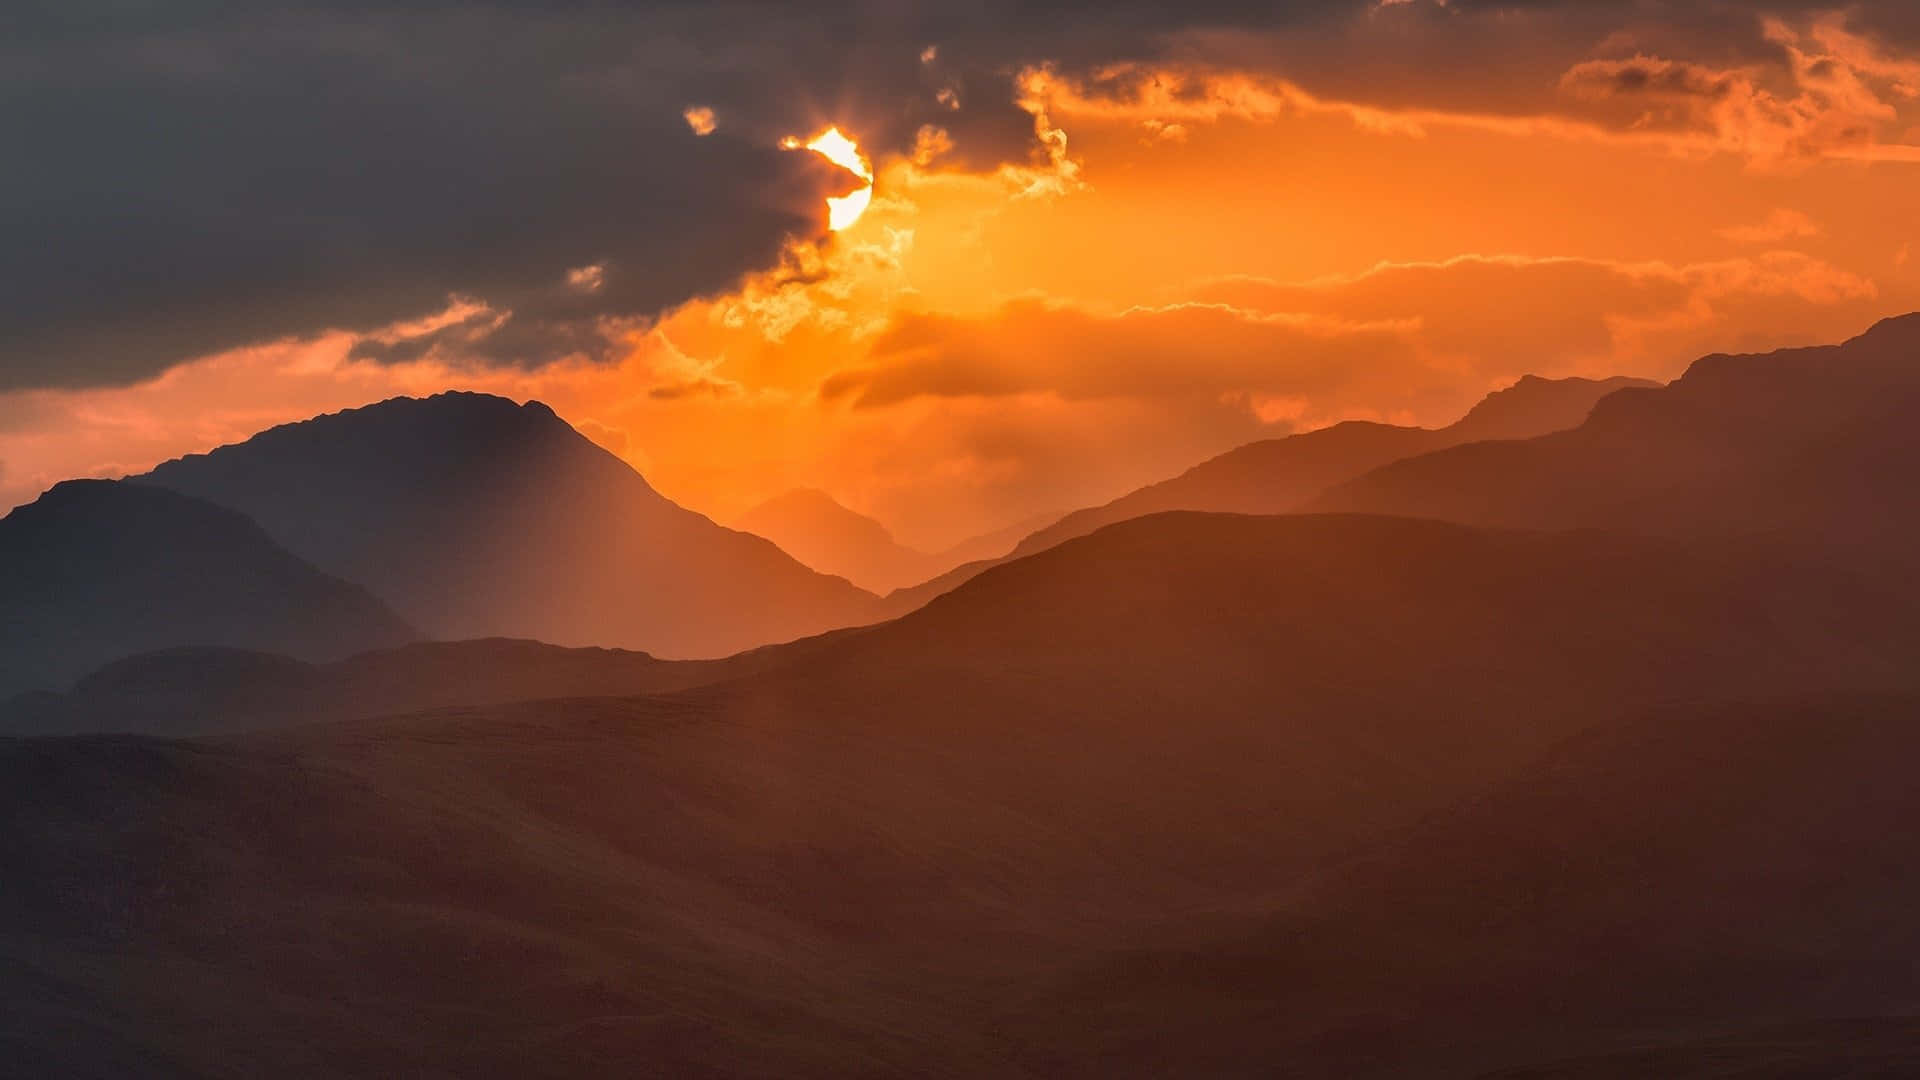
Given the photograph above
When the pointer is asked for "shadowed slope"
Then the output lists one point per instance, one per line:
(931, 848)
(1277, 476)
(96, 569)
(477, 517)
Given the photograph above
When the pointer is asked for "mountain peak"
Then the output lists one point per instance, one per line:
(478, 516)
(822, 532)
(1535, 405)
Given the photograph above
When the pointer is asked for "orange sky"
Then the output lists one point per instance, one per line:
(1194, 257)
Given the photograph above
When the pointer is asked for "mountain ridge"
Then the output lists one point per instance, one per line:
(1798, 446)
(1280, 475)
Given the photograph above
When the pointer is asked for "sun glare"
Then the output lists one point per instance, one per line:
(831, 144)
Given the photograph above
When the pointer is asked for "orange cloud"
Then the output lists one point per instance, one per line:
(1843, 96)
(1781, 225)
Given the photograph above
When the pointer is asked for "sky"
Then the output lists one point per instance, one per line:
(1068, 248)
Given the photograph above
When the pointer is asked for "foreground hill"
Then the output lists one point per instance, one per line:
(813, 527)
(1701, 891)
(1278, 476)
(1191, 795)
(1814, 448)
(476, 517)
(95, 569)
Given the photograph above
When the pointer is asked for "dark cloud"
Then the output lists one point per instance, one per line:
(198, 187)
(189, 176)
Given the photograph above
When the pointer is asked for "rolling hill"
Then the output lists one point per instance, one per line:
(202, 691)
(1308, 764)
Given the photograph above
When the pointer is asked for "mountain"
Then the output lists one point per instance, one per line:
(97, 569)
(1188, 796)
(1276, 476)
(811, 526)
(1810, 447)
(476, 517)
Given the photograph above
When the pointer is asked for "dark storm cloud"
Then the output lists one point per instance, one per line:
(188, 176)
(194, 187)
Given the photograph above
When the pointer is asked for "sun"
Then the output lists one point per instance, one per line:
(832, 144)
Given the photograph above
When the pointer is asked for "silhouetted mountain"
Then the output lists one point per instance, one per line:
(97, 569)
(1189, 796)
(1814, 448)
(476, 517)
(811, 526)
(1277, 476)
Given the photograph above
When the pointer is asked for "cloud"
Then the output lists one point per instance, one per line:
(1490, 318)
(182, 185)
(1780, 225)
(1415, 340)
(191, 177)
(1839, 98)
(1165, 353)
(1805, 89)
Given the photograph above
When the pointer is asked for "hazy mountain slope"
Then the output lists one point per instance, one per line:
(961, 843)
(994, 543)
(97, 569)
(811, 526)
(1814, 447)
(477, 517)
(1276, 476)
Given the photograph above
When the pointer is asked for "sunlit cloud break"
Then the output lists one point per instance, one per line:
(833, 144)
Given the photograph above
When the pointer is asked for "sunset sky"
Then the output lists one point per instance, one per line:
(1087, 259)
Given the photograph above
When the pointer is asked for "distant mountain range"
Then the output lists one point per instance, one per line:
(474, 517)
(96, 569)
(1277, 476)
(1802, 447)
(477, 517)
